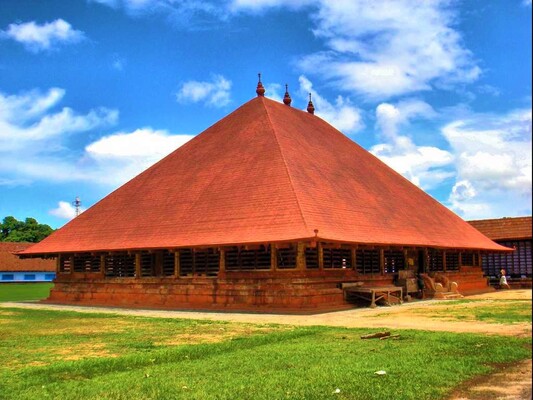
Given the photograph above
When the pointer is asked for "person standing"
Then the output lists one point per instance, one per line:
(503, 280)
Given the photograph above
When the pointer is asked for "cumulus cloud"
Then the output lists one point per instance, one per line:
(28, 117)
(34, 143)
(116, 158)
(494, 161)
(37, 37)
(385, 48)
(65, 210)
(343, 114)
(389, 117)
(215, 93)
(32, 133)
(425, 166)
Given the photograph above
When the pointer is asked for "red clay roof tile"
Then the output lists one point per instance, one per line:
(10, 262)
(265, 173)
(504, 228)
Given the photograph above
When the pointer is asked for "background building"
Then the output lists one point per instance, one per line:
(14, 269)
(515, 233)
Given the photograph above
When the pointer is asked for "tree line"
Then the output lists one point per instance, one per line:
(29, 230)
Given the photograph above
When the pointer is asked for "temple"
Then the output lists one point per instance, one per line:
(269, 209)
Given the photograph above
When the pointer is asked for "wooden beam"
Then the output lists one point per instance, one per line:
(320, 256)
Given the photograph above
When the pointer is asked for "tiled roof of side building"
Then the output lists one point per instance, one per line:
(504, 228)
(11, 263)
(265, 173)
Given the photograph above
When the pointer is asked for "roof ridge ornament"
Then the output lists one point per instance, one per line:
(310, 106)
(260, 88)
(287, 98)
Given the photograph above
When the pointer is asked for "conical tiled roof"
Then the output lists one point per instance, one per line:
(265, 173)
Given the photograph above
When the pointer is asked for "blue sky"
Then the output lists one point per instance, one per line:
(94, 91)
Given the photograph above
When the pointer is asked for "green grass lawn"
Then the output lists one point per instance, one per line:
(68, 355)
(24, 291)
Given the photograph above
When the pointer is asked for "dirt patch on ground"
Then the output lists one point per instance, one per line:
(222, 334)
(512, 382)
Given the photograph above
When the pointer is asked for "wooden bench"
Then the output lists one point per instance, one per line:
(374, 294)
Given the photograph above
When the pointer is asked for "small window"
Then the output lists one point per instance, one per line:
(29, 277)
(8, 277)
(49, 277)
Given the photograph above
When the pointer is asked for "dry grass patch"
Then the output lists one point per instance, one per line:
(217, 334)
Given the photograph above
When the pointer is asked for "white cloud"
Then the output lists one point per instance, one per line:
(391, 117)
(32, 134)
(27, 117)
(34, 146)
(116, 158)
(215, 93)
(274, 91)
(425, 166)
(386, 48)
(65, 210)
(185, 13)
(43, 37)
(342, 115)
(494, 159)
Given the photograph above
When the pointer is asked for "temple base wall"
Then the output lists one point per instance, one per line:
(292, 292)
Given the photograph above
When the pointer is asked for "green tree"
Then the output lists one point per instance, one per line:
(13, 230)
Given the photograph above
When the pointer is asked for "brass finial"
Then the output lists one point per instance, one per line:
(310, 106)
(260, 88)
(287, 98)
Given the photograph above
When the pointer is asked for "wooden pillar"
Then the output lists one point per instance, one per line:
(354, 259)
(177, 264)
(300, 256)
(222, 262)
(138, 265)
(102, 264)
(460, 260)
(273, 257)
(158, 264)
(320, 256)
(382, 261)
(58, 264)
(444, 260)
